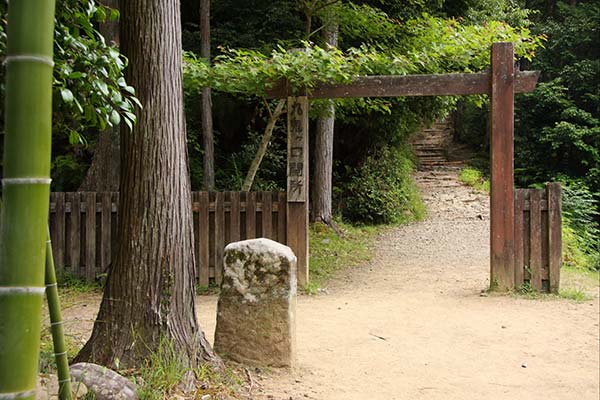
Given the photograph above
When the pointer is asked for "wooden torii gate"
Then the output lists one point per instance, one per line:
(501, 83)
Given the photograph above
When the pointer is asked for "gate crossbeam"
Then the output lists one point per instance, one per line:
(500, 82)
(411, 85)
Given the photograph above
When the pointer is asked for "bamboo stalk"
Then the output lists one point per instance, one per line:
(28, 127)
(56, 326)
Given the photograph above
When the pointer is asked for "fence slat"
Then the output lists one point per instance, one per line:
(219, 236)
(281, 217)
(235, 217)
(555, 235)
(250, 215)
(535, 261)
(519, 252)
(58, 240)
(203, 239)
(105, 230)
(75, 233)
(90, 236)
(267, 215)
(90, 241)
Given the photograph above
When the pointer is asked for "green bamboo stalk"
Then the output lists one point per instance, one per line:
(25, 186)
(56, 326)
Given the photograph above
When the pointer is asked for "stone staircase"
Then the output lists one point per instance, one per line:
(440, 162)
(431, 147)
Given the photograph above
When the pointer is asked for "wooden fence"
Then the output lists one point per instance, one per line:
(84, 243)
(538, 237)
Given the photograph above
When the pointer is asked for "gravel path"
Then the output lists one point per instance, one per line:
(414, 325)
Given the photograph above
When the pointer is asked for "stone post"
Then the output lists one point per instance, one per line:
(257, 304)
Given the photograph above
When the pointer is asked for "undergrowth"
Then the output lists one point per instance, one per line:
(329, 251)
(473, 177)
(160, 376)
(578, 285)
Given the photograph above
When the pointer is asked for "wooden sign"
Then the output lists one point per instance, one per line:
(297, 167)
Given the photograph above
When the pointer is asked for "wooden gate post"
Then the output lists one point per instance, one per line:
(297, 184)
(502, 243)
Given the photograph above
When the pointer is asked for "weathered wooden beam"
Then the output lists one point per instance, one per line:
(297, 190)
(502, 212)
(412, 85)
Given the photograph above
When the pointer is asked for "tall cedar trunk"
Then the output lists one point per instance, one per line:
(207, 121)
(321, 199)
(149, 293)
(103, 174)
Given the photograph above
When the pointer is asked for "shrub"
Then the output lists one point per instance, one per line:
(581, 232)
(382, 190)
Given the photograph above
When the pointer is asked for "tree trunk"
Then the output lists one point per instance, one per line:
(110, 29)
(25, 192)
(322, 190)
(207, 121)
(149, 294)
(103, 174)
(262, 148)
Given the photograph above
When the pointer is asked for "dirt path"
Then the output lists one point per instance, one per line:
(414, 325)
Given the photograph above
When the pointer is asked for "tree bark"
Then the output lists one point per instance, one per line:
(262, 148)
(207, 121)
(322, 189)
(149, 294)
(103, 174)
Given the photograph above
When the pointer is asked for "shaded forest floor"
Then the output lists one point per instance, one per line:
(415, 324)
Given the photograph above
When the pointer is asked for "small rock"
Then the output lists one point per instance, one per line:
(205, 397)
(103, 382)
(503, 326)
(524, 365)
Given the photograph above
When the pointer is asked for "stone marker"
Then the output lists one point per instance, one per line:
(256, 317)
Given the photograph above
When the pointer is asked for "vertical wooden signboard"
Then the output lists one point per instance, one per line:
(502, 221)
(297, 184)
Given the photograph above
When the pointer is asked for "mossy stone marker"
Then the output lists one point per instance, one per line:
(256, 321)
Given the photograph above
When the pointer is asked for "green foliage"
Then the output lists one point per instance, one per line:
(575, 294)
(271, 175)
(330, 252)
(68, 172)
(437, 45)
(165, 369)
(581, 231)
(509, 11)
(364, 23)
(161, 372)
(555, 137)
(473, 177)
(557, 126)
(89, 88)
(382, 190)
